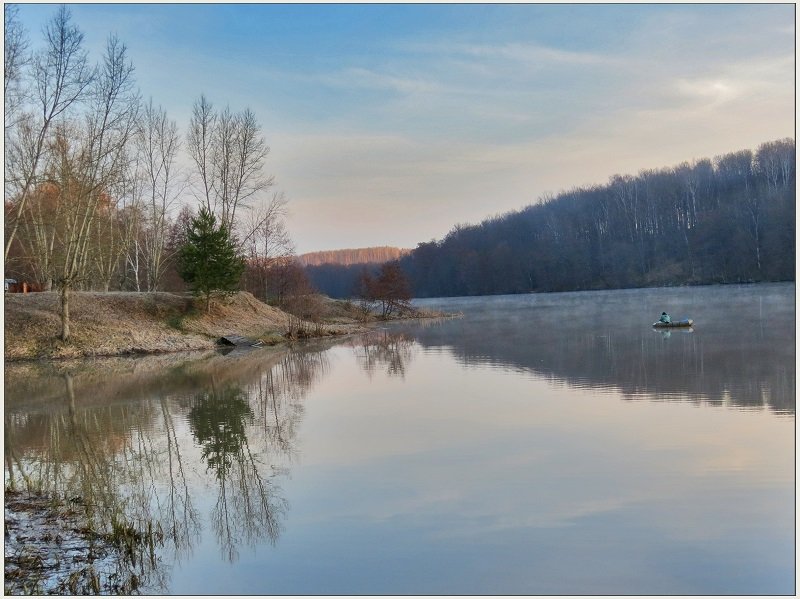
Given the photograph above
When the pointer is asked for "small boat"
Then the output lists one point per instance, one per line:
(686, 322)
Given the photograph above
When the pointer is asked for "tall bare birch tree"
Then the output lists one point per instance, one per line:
(61, 77)
(229, 153)
(200, 146)
(158, 143)
(247, 177)
(133, 220)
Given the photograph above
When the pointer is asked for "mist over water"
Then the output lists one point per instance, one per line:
(539, 444)
(740, 351)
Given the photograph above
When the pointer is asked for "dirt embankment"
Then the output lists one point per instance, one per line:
(116, 323)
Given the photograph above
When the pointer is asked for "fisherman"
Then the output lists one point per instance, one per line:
(665, 318)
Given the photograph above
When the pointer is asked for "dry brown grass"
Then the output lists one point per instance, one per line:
(115, 323)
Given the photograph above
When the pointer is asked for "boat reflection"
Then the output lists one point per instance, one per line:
(666, 334)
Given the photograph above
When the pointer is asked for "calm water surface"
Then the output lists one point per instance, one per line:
(540, 444)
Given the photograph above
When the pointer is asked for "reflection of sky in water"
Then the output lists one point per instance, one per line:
(477, 481)
(459, 460)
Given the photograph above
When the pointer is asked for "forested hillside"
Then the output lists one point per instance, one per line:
(726, 220)
(729, 219)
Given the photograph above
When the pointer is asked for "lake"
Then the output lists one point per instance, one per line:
(537, 444)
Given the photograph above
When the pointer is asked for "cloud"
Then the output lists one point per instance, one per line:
(518, 52)
(371, 79)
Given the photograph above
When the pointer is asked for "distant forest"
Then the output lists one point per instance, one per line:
(373, 255)
(336, 273)
(726, 220)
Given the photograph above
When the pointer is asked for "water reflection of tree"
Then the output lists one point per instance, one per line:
(122, 452)
(394, 351)
(246, 428)
(248, 506)
(278, 393)
(121, 488)
(105, 460)
(182, 519)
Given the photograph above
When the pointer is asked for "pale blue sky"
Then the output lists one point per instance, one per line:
(388, 124)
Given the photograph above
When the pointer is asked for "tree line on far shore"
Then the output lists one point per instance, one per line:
(726, 220)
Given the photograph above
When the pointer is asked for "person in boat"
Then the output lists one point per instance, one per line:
(665, 318)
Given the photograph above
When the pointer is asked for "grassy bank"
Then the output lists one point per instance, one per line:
(119, 323)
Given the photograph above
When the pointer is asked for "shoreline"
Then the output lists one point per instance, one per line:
(116, 324)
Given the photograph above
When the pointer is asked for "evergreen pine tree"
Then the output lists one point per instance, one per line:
(208, 261)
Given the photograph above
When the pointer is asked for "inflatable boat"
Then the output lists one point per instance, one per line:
(686, 322)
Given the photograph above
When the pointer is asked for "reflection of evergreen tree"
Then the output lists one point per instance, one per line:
(217, 421)
(248, 507)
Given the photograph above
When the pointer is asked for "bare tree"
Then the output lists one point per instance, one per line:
(158, 143)
(266, 240)
(752, 208)
(390, 288)
(224, 152)
(228, 151)
(40, 227)
(61, 78)
(775, 160)
(200, 145)
(117, 227)
(15, 59)
(95, 165)
(247, 177)
(735, 166)
(133, 220)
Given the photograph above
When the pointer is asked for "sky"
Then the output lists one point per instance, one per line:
(388, 124)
